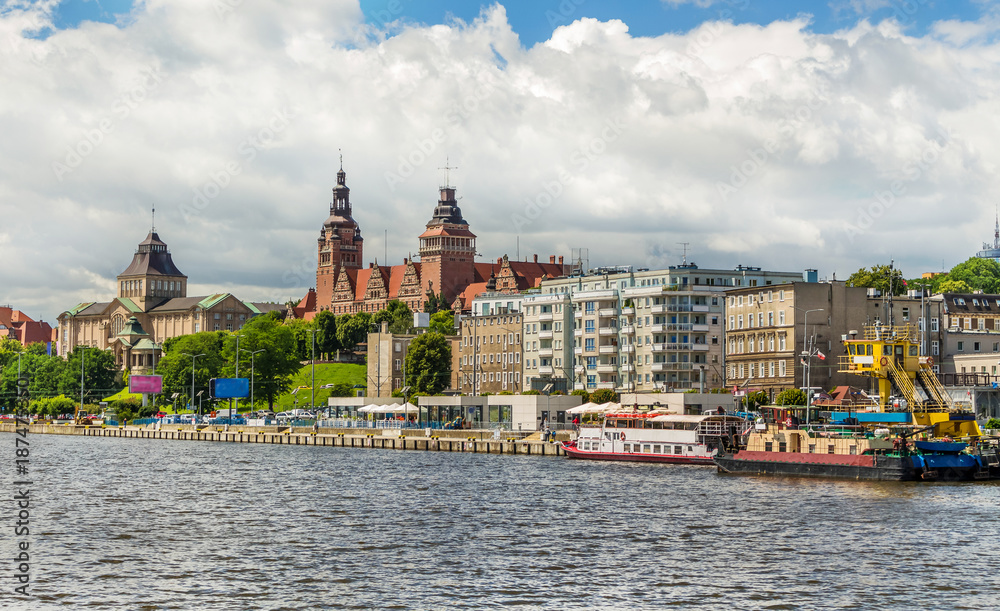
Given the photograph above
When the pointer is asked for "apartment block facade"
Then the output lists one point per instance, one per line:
(778, 336)
(972, 333)
(490, 348)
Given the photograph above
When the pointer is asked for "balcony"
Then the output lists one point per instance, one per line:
(628, 330)
(576, 333)
(545, 370)
(578, 350)
(628, 311)
(659, 309)
(580, 369)
(545, 352)
(606, 312)
(578, 314)
(700, 328)
(602, 368)
(677, 326)
(699, 347)
(659, 328)
(607, 331)
(545, 334)
(608, 349)
(661, 367)
(627, 349)
(609, 385)
(699, 308)
(545, 317)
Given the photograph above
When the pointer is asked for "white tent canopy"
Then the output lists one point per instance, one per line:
(587, 408)
(394, 408)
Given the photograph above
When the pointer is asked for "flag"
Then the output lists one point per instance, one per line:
(820, 355)
(802, 361)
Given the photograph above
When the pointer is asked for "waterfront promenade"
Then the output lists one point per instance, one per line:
(476, 441)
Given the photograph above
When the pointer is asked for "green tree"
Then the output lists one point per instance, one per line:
(532, 392)
(428, 363)
(979, 274)
(952, 286)
(604, 395)
(435, 303)
(274, 366)
(443, 322)
(756, 399)
(879, 277)
(175, 364)
(327, 343)
(352, 329)
(100, 378)
(301, 333)
(402, 317)
(790, 396)
(581, 393)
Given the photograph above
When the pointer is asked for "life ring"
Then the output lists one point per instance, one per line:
(930, 360)
(884, 361)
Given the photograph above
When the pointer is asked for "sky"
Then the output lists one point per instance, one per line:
(783, 135)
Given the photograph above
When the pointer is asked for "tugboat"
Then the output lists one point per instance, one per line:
(879, 445)
(656, 437)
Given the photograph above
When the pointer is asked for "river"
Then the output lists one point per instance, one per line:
(150, 524)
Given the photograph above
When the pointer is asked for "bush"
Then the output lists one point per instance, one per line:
(993, 423)
(604, 395)
(791, 396)
(531, 392)
(581, 393)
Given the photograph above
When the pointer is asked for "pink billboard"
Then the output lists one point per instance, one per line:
(150, 384)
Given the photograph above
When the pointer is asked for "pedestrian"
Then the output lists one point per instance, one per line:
(576, 423)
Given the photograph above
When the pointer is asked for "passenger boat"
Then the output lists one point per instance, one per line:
(934, 439)
(656, 437)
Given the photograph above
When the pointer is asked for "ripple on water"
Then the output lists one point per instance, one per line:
(175, 525)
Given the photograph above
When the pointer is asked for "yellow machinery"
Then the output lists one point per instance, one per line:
(891, 355)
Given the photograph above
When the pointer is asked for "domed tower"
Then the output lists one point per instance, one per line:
(447, 249)
(152, 277)
(340, 242)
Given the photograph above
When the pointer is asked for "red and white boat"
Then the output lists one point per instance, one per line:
(652, 437)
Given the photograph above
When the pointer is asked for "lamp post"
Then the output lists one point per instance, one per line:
(83, 353)
(236, 402)
(193, 358)
(252, 353)
(312, 399)
(807, 352)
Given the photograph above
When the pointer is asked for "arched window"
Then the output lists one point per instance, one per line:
(117, 324)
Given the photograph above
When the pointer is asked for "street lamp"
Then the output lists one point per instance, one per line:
(252, 353)
(193, 358)
(83, 353)
(312, 399)
(808, 353)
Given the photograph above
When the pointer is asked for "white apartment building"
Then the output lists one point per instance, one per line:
(638, 330)
(548, 342)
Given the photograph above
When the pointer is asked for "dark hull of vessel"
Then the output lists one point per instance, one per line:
(884, 468)
(573, 452)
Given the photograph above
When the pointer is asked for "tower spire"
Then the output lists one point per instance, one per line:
(152, 228)
(446, 167)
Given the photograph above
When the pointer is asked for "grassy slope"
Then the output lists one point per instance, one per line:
(334, 373)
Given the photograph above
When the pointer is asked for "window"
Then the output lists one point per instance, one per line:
(781, 317)
(961, 346)
(934, 324)
(589, 326)
(982, 324)
(781, 368)
(732, 322)
(589, 344)
(906, 314)
(770, 319)
(739, 322)
(781, 295)
(975, 346)
(935, 349)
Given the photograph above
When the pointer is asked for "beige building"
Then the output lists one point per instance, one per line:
(971, 343)
(386, 369)
(490, 346)
(151, 306)
(769, 346)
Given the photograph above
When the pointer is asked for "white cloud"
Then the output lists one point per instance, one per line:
(760, 145)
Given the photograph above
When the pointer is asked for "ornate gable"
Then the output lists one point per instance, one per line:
(344, 289)
(376, 290)
(506, 278)
(410, 286)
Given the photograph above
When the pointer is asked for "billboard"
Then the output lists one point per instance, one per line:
(150, 384)
(229, 388)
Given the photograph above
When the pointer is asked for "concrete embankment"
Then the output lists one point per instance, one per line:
(443, 441)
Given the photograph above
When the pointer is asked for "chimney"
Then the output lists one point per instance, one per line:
(371, 265)
(499, 260)
(552, 258)
(560, 260)
(536, 258)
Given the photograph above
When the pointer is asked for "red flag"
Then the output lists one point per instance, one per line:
(820, 355)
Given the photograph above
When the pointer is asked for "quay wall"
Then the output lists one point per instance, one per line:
(461, 441)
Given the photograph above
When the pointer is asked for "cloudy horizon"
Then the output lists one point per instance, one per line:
(787, 144)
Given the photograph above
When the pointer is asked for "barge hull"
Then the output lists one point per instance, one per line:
(637, 457)
(881, 468)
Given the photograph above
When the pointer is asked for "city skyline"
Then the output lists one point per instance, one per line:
(757, 135)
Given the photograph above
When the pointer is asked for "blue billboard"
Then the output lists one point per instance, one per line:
(229, 388)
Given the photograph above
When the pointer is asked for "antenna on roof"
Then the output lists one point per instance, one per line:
(153, 225)
(446, 167)
(684, 258)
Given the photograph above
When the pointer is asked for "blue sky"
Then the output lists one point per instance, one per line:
(534, 20)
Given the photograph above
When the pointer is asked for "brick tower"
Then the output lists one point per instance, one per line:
(447, 249)
(340, 243)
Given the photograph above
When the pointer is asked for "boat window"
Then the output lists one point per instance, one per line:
(768, 446)
(830, 449)
(782, 446)
(656, 449)
(854, 449)
(850, 349)
(645, 448)
(628, 447)
(812, 448)
(678, 450)
(886, 349)
(869, 349)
